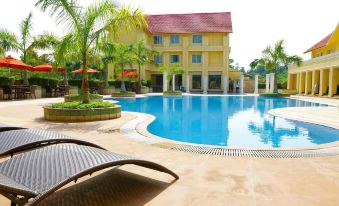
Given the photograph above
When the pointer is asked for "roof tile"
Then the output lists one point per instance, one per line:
(190, 23)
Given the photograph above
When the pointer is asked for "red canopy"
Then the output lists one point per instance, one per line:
(89, 70)
(12, 63)
(47, 68)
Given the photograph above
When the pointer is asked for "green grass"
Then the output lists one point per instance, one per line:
(80, 105)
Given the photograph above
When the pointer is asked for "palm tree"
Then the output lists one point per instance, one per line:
(89, 25)
(107, 54)
(124, 56)
(142, 54)
(8, 42)
(28, 44)
(172, 69)
(275, 57)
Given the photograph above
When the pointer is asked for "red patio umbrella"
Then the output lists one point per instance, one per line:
(47, 68)
(11, 63)
(130, 74)
(80, 71)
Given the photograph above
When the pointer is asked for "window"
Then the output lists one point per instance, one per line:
(157, 39)
(196, 58)
(175, 39)
(197, 39)
(158, 59)
(196, 81)
(214, 81)
(174, 59)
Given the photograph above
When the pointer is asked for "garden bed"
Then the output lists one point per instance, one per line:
(275, 95)
(172, 93)
(78, 98)
(123, 94)
(78, 112)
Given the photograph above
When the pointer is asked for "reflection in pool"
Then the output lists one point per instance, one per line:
(234, 121)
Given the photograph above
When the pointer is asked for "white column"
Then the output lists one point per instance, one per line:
(271, 82)
(187, 83)
(205, 83)
(225, 84)
(321, 82)
(164, 82)
(267, 83)
(173, 82)
(242, 84)
(235, 86)
(330, 82)
(256, 82)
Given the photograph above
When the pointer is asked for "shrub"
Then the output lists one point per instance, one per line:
(80, 105)
(172, 92)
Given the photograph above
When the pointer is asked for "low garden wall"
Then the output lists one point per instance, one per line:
(81, 115)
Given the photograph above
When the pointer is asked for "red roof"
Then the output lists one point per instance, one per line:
(320, 44)
(190, 23)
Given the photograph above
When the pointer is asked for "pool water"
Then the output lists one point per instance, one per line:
(234, 121)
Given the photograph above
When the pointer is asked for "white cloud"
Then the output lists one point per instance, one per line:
(256, 23)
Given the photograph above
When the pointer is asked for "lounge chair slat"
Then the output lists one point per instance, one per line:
(52, 167)
(19, 140)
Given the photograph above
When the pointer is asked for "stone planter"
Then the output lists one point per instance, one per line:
(107, 90)
(81, 115)
(78, 98)
(172, 93)
(144, 90)
(123, 94)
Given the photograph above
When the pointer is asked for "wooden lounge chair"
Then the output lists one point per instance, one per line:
(28, 178)
(4, 128)
(19, 140)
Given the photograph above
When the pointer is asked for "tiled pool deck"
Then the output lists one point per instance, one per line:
(204, 179)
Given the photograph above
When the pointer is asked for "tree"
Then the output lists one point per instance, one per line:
(275, 57)
(27, 44)
(172, 69)
(8, 42)
(88, 25)
(124, 56)
(107, 55)
(142, 54)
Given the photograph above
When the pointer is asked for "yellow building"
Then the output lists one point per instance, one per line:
(318, 76)
(199, 42)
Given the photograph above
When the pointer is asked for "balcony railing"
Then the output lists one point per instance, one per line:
(318, 61)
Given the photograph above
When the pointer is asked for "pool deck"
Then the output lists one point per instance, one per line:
(204, 179)
(326, 116)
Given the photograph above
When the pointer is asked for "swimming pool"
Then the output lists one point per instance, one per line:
(234, 121)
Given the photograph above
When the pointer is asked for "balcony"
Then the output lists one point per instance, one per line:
(326, 61)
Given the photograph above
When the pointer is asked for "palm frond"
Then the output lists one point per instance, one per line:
(65, 11)
(8, 42)
(26, 27)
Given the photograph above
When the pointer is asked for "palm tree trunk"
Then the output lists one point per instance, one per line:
(85, 83)
(25, 78)
(123, 87)
(139, 79)
(275, 89)
(106, 76)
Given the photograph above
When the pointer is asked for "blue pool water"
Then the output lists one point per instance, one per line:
(234, 121)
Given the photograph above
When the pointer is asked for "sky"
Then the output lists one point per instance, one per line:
(256, 23)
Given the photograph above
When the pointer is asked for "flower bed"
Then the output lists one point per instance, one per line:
(123, 94)
(78, 112)
(78, 97)
(172, 93)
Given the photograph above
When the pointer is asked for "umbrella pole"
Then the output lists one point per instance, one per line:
(48, 79)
